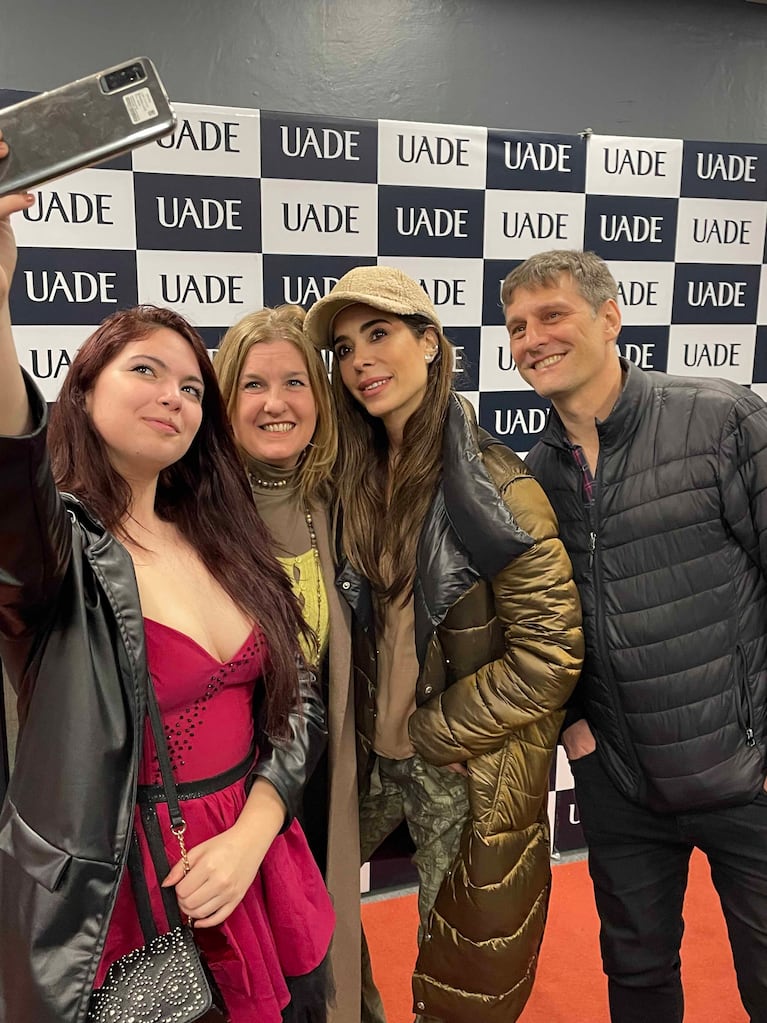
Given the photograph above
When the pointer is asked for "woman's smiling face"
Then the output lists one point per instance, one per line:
(383, 363)
(146, 403)
(275, 415)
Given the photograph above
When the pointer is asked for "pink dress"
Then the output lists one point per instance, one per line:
(283, 926)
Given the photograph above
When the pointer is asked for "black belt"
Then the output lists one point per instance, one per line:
(147, 795)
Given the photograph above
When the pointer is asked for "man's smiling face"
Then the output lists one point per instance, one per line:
(559, 343)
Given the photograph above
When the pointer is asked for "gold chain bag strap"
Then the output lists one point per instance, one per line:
(164, 981)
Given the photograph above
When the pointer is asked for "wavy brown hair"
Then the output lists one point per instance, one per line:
(205, 494)
(370, 539)
(284, 323)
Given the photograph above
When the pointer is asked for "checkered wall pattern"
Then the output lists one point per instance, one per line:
(239, 208)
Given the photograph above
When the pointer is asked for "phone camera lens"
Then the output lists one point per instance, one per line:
(124, 76)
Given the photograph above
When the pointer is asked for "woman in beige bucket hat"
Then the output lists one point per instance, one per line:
(466, 642)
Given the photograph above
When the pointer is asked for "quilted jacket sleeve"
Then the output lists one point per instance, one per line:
(743, 475)
(538, 606)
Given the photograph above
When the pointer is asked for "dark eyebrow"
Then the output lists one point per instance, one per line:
(163, 365)
(363, 326)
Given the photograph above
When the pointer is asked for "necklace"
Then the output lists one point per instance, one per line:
(318, 575)
(267, 484)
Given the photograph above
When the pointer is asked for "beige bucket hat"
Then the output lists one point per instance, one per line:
(383, 287)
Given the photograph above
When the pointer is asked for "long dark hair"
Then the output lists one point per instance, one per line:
(382, 546)
(205, 494)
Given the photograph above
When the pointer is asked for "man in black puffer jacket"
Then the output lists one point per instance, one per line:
(660, 487)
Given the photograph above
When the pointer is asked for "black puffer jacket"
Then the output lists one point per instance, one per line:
(72, 642)
(671, 571)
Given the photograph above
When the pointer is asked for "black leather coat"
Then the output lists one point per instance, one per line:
(671, 565)
(72, 642)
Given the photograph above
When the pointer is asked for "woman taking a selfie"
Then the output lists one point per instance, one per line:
(121, 575)
(466, 644)
(277, 394)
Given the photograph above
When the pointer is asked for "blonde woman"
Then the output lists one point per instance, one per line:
(466, 639)
(277, 394)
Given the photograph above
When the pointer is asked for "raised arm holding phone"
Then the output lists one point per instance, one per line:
(14, 406)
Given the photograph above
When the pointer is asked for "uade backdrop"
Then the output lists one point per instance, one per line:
(241, 208)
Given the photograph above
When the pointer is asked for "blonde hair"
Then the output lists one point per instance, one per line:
(284, 323)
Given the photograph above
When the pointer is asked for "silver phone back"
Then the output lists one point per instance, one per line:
(81, 124)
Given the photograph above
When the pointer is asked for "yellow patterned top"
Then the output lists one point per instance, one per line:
(305, 574)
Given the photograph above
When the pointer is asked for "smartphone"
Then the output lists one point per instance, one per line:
(85, 122)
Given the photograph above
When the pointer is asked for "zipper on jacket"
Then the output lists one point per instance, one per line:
(744, 690)
(599, 620)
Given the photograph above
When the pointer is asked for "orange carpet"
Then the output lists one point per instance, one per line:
(570, 986)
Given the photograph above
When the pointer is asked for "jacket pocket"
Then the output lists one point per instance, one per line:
(45, 863)
(743, 698)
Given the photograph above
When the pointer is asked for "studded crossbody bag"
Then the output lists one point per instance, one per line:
(166, 980)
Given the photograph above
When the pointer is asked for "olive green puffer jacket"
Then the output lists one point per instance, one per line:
(499, 642)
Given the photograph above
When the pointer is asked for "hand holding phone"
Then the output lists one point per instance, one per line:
(9, 204)
(85, 122)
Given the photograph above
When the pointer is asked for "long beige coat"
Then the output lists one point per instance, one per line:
(342, 874)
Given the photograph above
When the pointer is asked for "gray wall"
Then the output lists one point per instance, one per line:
(676, 68)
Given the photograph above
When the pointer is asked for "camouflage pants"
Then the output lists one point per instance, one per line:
(435, 804)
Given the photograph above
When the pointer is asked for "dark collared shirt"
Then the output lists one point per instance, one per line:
(589, 483)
